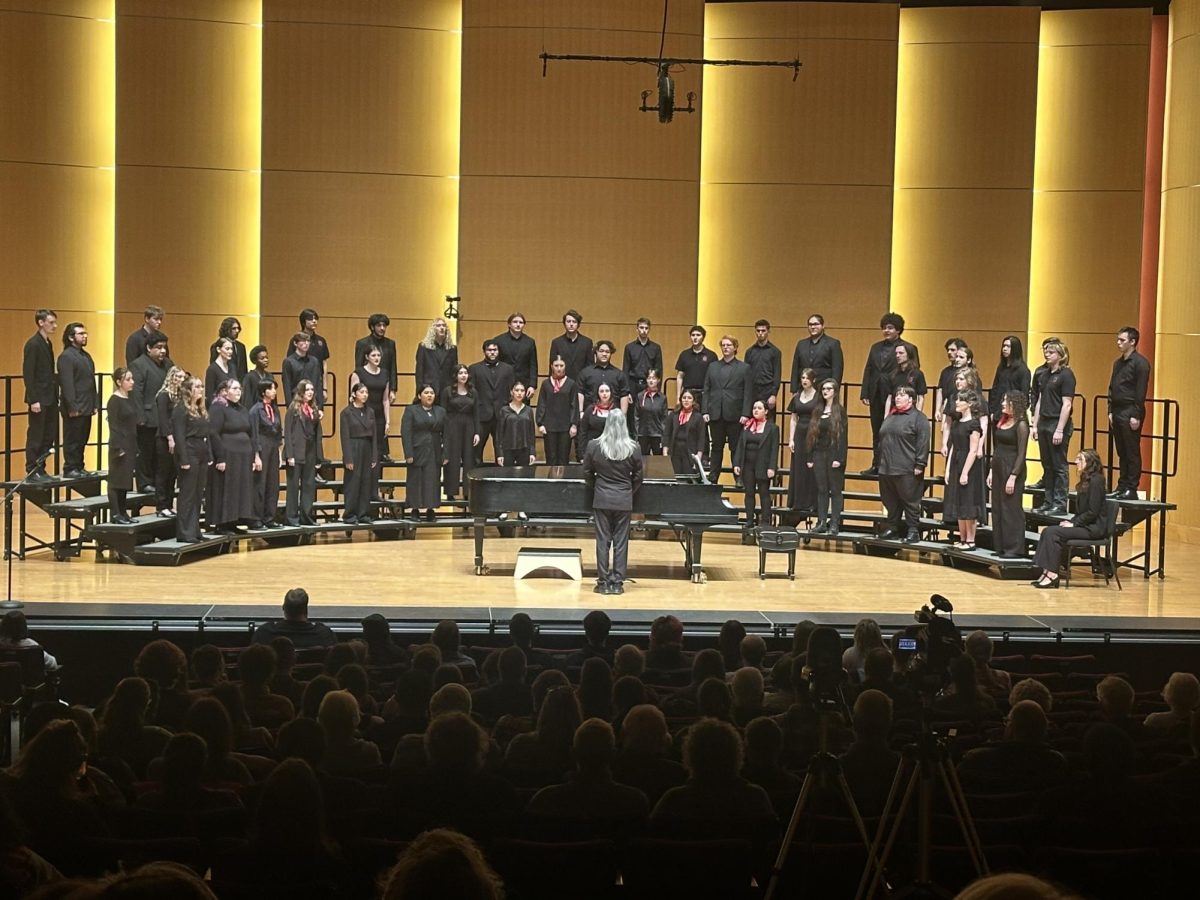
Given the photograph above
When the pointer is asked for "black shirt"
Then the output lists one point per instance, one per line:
(766, 369)
(694, 366)
(302, 634)
(639, 359)
(592, 377)
(520, 352)
(823, 356)
(1055, 386)
(304, 368)
(577, 354)
(1127, 387)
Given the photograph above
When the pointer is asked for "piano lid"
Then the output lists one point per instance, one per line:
(656, 468)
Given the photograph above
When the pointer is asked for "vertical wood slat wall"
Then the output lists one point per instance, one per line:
(138, 164)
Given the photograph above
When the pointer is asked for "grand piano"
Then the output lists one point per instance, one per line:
(559, 495)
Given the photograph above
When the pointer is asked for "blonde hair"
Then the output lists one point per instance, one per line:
(429, 342)
(174, 391)
(193, 405)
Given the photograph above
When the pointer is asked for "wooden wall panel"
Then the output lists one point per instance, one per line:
(570, 196)
(360, 167)
(796, 193)
(966, 103)
(1085, 264)
(1178, 338)
(189, 105)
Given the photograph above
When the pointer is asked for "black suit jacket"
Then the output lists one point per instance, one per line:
(768, 454)
(493, 387)
(728, 392)
(694, 429)
(436, 367)
(77, 379)
(1089, 507)
(614, 481)
(38, 368)
(148, 377)
(824, 357)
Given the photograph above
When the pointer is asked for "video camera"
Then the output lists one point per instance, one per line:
(935, 642)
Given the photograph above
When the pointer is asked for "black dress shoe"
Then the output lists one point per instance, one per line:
(1114, 494)
(1055, 510)
(1128, 495)
(1036, 486)
(833, 531)
(600, 588)
(889, 534)
(430, 515)
(913, 537)
(616, 588)
(870, 470)
(819, 528)
(73, 473)
(1047, 585)
(37, 476)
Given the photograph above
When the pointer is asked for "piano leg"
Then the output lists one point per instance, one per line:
(695, 544)
(480, 568)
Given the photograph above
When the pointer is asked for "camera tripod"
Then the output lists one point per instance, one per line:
(825, 771)
(923, 761)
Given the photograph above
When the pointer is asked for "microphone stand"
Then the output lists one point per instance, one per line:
(9, 602)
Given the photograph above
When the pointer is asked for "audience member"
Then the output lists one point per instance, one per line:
(748, 694)
(382, 649)
(706, 664)
(595, 690)
(967, 700)
(869, 763)
(446, 639)
(124, 734)
(447, 673)
(880, 671)
(164, 667)
(1116, 697)
(590, 792)
(295, 624)
(780, 696)
(629, 660)
(208, 668)
(510, 695)
(209, 719)
(22, 870)
(753, 652)
(764, 765)
(1022, 761)
(346, 754)
(1182, 695)
(646, 759)
(544, 755)
(729, 641)
(14, 635)
(1012, 886)
(979, 648)
(282, 682)
(181, 787)
(1031, 689)
(440, 864)
(354, 678)
(666, 644)
(522, 631)
(716, 799)
(801, 632)
(314, 693)
(596, 628)
(867, 637)
(628, 692)
(339, 656)
(256, 668)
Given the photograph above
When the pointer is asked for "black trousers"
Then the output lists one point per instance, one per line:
(516, 456)
(460, 455)
(1050, 545)
(1056, 471)
(902, 499)
(878, 405)
(557, 445)
(651, 446)
(266, 487)
(116, 501)
(76, 431)
(360, 482)
(681, 461)
(612, 534)
(41, 431)
(486, 430)
(164, 473)
(301, 491)
(831, 486)
(191, 497)
(755, 488)
(721, 432)
(147, 470)
(1129, 453)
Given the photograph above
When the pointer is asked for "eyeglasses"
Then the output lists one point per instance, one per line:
(813, 324)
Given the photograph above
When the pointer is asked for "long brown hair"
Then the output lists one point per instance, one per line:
(1091, 468)
(836, 414)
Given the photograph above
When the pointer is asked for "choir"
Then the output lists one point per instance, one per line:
(224, 441)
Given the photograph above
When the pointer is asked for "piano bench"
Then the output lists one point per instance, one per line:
(777, 540)
(568, 560)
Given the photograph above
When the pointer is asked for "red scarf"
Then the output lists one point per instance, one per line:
(756, 426)
(684, 415)
(1005, 418)
(557, 383)
(269, 409)
(306, 410)
(600, 410)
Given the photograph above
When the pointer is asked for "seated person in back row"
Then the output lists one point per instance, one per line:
(295, 624)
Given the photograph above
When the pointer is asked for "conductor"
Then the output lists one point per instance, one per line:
(612, 466)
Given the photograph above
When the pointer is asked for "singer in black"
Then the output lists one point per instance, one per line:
(77, 381)
(462, 430)
(260, 359)
(377, 326)
(41, 395)
(574, 348)
(421, 432)
(754, 460)
(266, 434)
(1010, 440)
(1012, 374)
(1127, 410)
(519, 350)
(766, 365)
(594, 417)
(300, 436)
(802, 485)
(221, 369)
(234, 462)
(515, 429)
(122, 445)
(230, 328)
(640, 356)
(684, 438)
(903, 453)
(612, 467)
(149, 372)
(727, 397)
(826, 440)
(819, 352)
(377, 379)
(650, 416)
(189, 427)
(437, 357)
(964, 497)
(877, 378)
(907, 374)
(492, 380)
(1087, 523)
(360, 454)
(168, 397)
(558, 412)
(1054, 427)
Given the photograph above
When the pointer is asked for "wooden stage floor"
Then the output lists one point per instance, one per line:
(437, 570)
